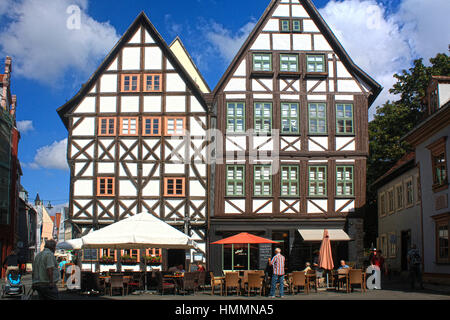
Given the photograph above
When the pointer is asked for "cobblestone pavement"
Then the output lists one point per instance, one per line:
(391, 290)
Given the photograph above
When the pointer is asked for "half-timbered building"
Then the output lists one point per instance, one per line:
(293, 110)
(137, 137)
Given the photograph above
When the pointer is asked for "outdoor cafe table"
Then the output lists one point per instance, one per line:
(336, 275)
(177, 278)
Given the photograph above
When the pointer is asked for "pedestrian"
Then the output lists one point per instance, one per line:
(277, 263)
(414, 263)
(45, 272)
(11, 262)
(61, 265)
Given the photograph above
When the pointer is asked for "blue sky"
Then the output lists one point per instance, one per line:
(50, 63)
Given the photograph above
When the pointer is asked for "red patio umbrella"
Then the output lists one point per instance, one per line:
(242, 238)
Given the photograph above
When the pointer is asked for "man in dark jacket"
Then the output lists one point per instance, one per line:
(11, 262)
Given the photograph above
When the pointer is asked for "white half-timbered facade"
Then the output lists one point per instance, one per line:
(138, 137)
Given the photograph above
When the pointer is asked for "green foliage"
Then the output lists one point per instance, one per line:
(394, 120)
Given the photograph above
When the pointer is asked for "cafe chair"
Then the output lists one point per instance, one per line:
(201, 280)
(216, 282)
(232, 281)
(312, 279)
(299, 280)
(116, 283)
(254, 282)
(136, 282)
(341, 278)
(355, 276)
(164, 284)
(189, 283)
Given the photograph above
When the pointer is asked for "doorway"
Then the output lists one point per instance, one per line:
(176, 257)
(405, 245)
(282, 237)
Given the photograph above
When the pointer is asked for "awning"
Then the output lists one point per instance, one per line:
(317, 234)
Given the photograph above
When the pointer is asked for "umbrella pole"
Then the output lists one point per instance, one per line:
(232, 257)
(248, 257)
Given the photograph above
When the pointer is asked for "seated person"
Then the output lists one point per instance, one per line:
(173, 269)
(180, 268)
(343, 265)
(308, 267)
(200, 267)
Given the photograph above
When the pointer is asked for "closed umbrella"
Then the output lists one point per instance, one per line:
(325, 255)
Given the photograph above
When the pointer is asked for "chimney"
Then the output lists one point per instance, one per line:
(8, 66)
(13, 105)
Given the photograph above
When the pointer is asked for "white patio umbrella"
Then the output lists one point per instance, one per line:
(73, 244)
(140, 231)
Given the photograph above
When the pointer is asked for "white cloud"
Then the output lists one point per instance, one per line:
(53, 156)
(426, 25)
(383, 42)
(44, 48)
(24, 126)
(227, 43)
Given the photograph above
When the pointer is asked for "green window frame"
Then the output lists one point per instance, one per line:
(262, 62)
(262, 180)
(296, 26)
(344, 118)
(315, 63)
(289, 62)
(290, 118)
(285, 25)
(344, 181)
(317, 181)
(263, 117)
(317, 118)
(289, 181)
(236, 117)
(235, 184)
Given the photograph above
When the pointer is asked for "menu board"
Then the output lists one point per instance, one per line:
(265, 253)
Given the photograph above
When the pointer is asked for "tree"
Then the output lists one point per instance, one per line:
(394, 120)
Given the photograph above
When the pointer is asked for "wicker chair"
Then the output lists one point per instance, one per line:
(355, 276)
(216, 282)
(189, 282)
(136, 282)
(299, 280)
(201, 280)
(116, 283)
(232, 281)
(255, 281)
(164, 284)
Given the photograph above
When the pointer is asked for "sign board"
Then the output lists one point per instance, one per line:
(265, 253)
(198, 256)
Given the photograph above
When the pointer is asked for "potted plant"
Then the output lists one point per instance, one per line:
(153, 260)
(107, 260)
(126, 259)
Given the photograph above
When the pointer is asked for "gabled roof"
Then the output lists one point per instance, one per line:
(326, 32)
(191, 67)
(141, 20)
